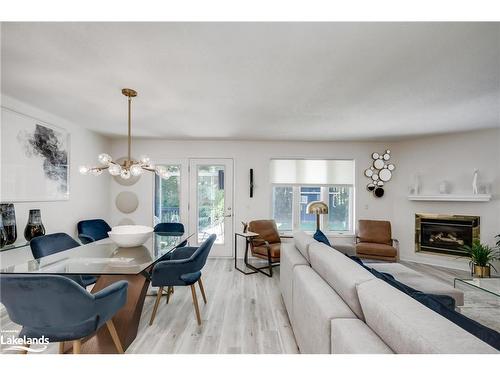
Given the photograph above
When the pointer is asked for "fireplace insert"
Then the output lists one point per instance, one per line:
(445, 234)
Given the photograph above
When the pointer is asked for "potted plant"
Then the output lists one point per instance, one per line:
(481, 258)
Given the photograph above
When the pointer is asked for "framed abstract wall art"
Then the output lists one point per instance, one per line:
(34, 159)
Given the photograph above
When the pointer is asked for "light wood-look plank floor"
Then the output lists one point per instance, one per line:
(244, 314)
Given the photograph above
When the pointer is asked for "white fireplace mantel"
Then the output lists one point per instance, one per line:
(451, 197)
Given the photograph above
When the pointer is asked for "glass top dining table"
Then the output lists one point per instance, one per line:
(102, 257)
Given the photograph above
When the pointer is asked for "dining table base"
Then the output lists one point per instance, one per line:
(126, 319)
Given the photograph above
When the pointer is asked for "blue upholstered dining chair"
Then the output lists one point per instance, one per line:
(49, 244)
(171, 229)
(177, 228)
(183, 268)
(60, 309)
(92, 230)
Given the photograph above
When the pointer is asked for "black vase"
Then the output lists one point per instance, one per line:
(8, 214)
(34, 228)
(3, 234)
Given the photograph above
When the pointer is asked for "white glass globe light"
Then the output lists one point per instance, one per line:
(125, 174)
(160, 169)
(135, 170)
(114, 169)
(84, 169)
(144, 159)
(104, 159)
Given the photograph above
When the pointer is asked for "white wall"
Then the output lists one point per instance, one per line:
(448, 157)
(453, 158)
(88, 195)
(248, 155)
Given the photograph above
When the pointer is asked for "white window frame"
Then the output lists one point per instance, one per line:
(323, 218)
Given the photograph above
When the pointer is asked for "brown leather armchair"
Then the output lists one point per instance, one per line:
(267, 245)
(374, 241)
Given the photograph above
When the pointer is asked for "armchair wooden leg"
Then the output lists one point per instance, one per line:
(77, 346)
(202, 289)
(195, 303)
(61, 347)
(158, 297)
(25, 351)
(114, 335)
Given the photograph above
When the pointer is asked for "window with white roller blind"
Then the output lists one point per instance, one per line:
(298, 182)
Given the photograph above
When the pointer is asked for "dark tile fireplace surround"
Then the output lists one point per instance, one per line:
(445, 234)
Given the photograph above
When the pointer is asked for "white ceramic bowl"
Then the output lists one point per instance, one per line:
(130, 235)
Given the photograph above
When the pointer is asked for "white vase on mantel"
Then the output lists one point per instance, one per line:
(444, 187)
(415, 187)
(474, 182)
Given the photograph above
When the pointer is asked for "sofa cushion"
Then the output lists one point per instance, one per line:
(353, 336)
(320, 237)
(407, 326)
(420, 282)
(315, 304)
(340, 272)
(369, 248)
(290, 258)
(302, 242)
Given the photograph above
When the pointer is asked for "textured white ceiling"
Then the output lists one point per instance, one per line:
(275, 81)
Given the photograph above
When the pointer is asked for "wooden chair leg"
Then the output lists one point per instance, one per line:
(158, 297)
(114, 335)
(77, 346)
(61, 347)
(202, 289)
(25, 351)
(170, 291)
(195, 303)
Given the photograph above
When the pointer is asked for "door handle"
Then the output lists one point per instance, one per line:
(228, 215)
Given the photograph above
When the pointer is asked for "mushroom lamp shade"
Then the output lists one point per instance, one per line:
(317, 208)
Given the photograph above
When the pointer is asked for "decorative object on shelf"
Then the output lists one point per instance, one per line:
(3, 234)
(35, 159)
(481, 258)
(251, 183)
(379, 172)
(127, 202)
(444, 187)
(474, 182)
(415, 186)
(8, 213)
(245, 227)
(317, 208)
(34, 227)
(129, 167)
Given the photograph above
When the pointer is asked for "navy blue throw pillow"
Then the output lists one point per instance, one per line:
(320, 237)
(441, 304)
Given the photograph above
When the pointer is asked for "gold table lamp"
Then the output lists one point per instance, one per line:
(317, 208)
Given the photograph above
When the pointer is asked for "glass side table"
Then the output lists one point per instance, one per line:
(482, 300)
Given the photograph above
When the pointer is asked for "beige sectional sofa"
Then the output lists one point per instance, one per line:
(337, 306)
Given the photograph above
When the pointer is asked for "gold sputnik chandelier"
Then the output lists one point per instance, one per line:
(129, 167)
